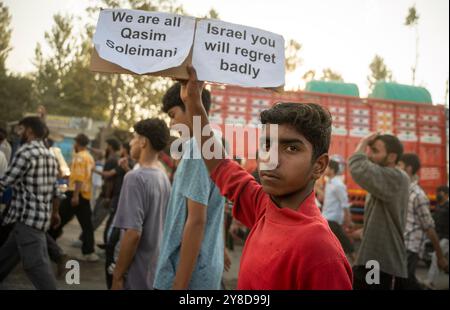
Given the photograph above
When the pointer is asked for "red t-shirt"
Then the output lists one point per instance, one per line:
(286, 249)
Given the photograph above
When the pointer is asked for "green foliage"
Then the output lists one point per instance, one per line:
(62, 81)
(378, 71)
(15, 97)
(212, 14)
(309, 75)
(15, 91)
(412, 19)
(132, 97)
(5, 34)
(292, 58)
(64, 84)
(330, 75)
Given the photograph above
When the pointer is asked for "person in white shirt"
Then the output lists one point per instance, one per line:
(3, 164)
(5, 147)
(335, 207)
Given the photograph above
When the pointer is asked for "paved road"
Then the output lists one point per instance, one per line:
(92, 274)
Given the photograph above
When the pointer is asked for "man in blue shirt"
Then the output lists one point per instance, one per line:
(336, 207)
(191, 255)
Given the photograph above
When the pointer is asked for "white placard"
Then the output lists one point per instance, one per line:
(142, 41)
(239, 55)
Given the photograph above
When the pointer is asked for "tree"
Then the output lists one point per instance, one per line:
(212, 14)
(292, 58)
(5, 35)
(327, 75)
(133, 97)
(378, 71)
(309, 75)
(15, 97)
(412, 21)
(330, 75)
(15, 91)
(63, 82)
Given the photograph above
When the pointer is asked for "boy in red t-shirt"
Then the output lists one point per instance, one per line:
(290, 245)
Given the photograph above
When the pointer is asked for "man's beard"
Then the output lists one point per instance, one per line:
(382, 163)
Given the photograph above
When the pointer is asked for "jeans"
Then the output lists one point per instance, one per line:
(28, 245)
(411, 283)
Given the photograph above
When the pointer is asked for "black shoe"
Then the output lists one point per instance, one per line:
(101, 246)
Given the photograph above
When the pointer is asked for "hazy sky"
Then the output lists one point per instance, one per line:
(341, 34)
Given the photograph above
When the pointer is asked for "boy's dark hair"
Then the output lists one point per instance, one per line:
(334, 165)
(443, 189)
(126, 146)
(155, 130)
(309, 119)
(172, 98)
(82, 140)
(36, 125)
(392, 144)
(113, 143)
(411, 160)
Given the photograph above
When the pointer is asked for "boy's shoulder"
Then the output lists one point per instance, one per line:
(190, 166)
(318, 241)
(142, 174)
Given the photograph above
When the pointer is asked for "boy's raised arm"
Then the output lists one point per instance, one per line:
(190, 93)
(233, 181)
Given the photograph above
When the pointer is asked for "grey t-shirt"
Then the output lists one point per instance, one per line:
(384, 214)
(142, 206)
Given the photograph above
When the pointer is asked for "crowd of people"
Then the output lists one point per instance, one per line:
(167, 220)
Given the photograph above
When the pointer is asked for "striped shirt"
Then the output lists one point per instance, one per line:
(32, 176)
(418, 218)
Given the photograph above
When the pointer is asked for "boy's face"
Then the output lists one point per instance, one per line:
(177, 116)
(295, 168)
(136, 146)
(329, 172)
(404, 167)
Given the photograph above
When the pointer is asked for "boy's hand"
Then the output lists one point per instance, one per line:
(443, 264)
(75, 201)
(191, 89)
(348, 225)
(123, 163)
(118, 284)
(55, 220)
(191, 95)
(226, 260)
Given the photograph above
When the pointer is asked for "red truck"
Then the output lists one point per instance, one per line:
(422, 127)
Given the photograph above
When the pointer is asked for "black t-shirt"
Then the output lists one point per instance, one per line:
(109, 183)
(111, 163)
(120, 174)
(441, 220)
